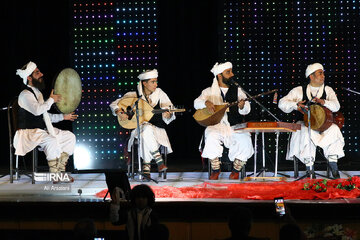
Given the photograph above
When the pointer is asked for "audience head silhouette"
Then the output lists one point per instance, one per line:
(142, 196)
(240, 221)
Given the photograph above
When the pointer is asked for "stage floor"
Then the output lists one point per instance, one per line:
(33, 208)
(86, 186)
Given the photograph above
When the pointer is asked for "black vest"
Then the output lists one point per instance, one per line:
(156, 120)
(299, 115)
(234, 117)
(27, 120)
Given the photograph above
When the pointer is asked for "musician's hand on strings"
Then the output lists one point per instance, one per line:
(319, 101)
(301, 106)
(56, 97)
(70, 116)
(123, 116)
(210, 106)
(166, 115)
(241, 104)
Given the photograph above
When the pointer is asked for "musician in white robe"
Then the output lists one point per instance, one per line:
(35, 123)
(152, 133)
(330, 140)
(222, 134)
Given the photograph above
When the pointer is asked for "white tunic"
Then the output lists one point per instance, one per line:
(25, 140)
(151, 136)
(239, 144)
(331, 140)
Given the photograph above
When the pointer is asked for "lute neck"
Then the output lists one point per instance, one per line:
(157, 111)
(250, 98)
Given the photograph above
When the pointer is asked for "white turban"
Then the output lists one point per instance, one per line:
(312, 68)
(149, 74)
(30, 67)
(219, 68)
(215, 97)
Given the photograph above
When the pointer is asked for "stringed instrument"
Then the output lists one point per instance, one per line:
(146, 112)
(206, 118)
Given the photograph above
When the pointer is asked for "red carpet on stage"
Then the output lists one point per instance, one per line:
(318, 189)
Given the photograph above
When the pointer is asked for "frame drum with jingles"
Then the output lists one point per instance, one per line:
(68, 85)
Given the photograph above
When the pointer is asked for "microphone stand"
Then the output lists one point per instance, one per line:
(140, 172)
(263, 169)
(348, 89)
(251, 97)
(310, 173)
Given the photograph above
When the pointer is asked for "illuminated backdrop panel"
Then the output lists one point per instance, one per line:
(270, 44)
(112, 43)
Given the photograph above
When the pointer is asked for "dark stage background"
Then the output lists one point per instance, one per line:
(268, 43)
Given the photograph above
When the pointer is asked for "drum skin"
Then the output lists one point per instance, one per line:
(68, 85)
(321, 118)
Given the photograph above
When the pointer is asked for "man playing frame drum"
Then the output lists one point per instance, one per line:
(331, 140)
(35, 123)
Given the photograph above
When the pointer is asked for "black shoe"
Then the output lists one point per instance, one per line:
(334, 170)
(335, 174)
(146, 177)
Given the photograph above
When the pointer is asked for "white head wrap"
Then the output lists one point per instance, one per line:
(149, 74)
(30, 67)
(215, 89)
(219, 68)
(312, 68)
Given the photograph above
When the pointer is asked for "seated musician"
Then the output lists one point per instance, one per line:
(152, 133)
(219, 135)
(35, 123)
(330, 140)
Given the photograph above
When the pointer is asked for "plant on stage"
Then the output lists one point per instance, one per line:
(318, 186)
(323, 185)
(336, 232)
(348, 184)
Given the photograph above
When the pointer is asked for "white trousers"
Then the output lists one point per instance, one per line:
(239, 144)
(26, 140)
(331, 141)
(53, 148)
(151, 138)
